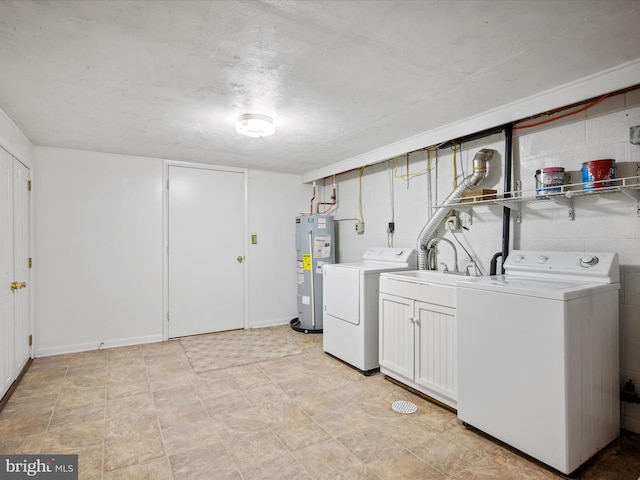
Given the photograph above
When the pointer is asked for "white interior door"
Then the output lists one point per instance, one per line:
(22, 348)
(206, 250)
(14, 269)
(6, 273)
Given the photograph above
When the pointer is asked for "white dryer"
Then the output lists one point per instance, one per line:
(350, 304)
(538, 354)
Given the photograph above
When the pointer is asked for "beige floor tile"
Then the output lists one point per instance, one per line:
(136, 423)
(357, 473)
(369, 444)
(90, 462)
(446, 456)
(248, 376)
(128, 387)
(265, 394)
(240, 420)
(249, 450)
(341, 421)
(170, 380)
(180, 394)
(19, 426)
(300, 386)
(299, 434)
(74, 396)
(157, 469)
(81, 370)
(284, 467)
(192, 436)
(318, 402)
(22, 406)
(142, 413)
(214, 387)
(208, 462)
(326, 458)
(225, 404)
(181, 413)
(131, 404)
(24, 444)
(71, 437)
(282, 411)
(92, 414)
(132, 450)
(404, 466)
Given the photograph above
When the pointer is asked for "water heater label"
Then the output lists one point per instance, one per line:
(322, 222)
(306, 261)
(322, 246)
(306, 300)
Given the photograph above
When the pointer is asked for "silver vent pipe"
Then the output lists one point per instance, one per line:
(479, 173)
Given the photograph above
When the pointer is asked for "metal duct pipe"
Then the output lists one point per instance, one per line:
(479, 173)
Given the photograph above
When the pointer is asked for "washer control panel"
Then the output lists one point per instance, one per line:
(592, 266)
(402, 256)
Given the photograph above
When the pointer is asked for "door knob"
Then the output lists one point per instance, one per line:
(23, 285)
(15, 286)
(240, 258)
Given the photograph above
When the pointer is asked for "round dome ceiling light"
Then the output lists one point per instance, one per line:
(255, 125)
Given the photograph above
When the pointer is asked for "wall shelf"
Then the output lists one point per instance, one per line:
(629, 186)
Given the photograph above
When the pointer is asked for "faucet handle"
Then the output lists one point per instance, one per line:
(445, 269)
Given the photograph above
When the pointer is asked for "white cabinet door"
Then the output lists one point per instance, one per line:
(206, 250)
(436, 349)
(397, 334)
(6, 273)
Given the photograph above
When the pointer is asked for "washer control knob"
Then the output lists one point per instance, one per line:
(399, 253)
(543, 258)
(518, 258)
(587, 261)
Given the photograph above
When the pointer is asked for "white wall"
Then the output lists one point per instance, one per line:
(98, 257)
(606, 223)
(98, 250)
(274, 201)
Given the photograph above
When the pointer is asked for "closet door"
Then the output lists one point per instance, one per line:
(22, 326)
(7, 363)
(206, 250)
(15, 327)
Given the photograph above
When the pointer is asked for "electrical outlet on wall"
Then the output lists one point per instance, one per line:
(452, 223)
(634, 135)
(359, 227)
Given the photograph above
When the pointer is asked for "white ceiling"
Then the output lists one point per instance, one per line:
(168, 79)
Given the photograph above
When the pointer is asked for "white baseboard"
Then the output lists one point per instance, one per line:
(271, 322)
(85, 347)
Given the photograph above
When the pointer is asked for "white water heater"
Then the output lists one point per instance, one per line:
(315, 247)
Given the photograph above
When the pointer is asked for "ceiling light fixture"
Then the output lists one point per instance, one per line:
(255, 125)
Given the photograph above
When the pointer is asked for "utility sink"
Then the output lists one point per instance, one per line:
(422, 285)
(428, 276)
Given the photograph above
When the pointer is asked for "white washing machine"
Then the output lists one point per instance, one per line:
(350, 310)
(538, 354)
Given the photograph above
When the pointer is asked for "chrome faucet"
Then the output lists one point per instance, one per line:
(435, 240)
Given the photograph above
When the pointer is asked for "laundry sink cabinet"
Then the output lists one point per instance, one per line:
(418, 341)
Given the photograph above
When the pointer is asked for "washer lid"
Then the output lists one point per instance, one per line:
(537, 287)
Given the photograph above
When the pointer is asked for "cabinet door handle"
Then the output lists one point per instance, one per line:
(417, 321)
(411, 319)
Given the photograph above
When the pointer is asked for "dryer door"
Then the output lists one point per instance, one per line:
(342, 293)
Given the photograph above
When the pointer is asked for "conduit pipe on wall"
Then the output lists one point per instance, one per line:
(506, 211)
(479, 173)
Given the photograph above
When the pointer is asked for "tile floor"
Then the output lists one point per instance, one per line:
(142, 413)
